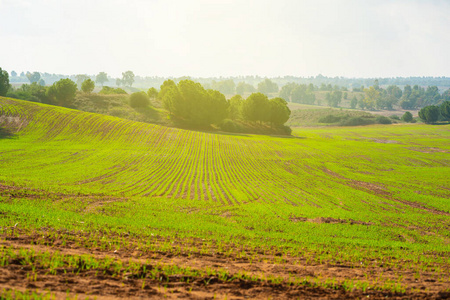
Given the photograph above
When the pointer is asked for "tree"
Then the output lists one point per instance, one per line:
(235, 107)
(279, 111)
(80, 79)
(243, 88)
(218, 105)
(371, 97)
(286, 91)
(224, 86)
(88, 86)
(13, 73)
(33, 77)
(165, 87)
(128, 78)
(445, 110)
(41, 82)
(119, 82)
(101, 78)
(429, 114)
(152, 93)
(62, 92)
(395, 91)
(407, 117)
(256, 108)
(191, 102)
(334, 99)
(139, 99)
(353, 102)
(4, 82)
(267, 86)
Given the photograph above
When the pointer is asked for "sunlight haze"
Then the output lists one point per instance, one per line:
(227, 38)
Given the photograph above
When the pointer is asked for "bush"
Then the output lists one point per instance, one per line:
(88, 86)
(286, 129)
(394, 117)
(106, 90)
(407, 117)
(383, 120)
(357, 121)
(429, 114)
(139, 99)
(230, 126)
(330, 119)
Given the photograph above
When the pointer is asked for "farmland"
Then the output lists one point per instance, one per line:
(98, 206)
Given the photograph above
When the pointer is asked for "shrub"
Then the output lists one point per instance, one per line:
(88, 86)
(429, 114)
(139, 99)
(407, 117)
(106, 90)
(230, 126)
(383, 120)
(357, 121)
(394, 117)
(329, 119)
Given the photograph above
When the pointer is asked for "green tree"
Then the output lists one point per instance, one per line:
(225, 86)
(139, 99)
(13, 73)
(33, 77)
(128, 78)
(445, 110)
(235, 107)
(395, 91)
(267, 86)
(218, 106)
(407, 117)
(429, 114)
(62, 92)
(101, 78)
(4, 82)
(279, 111)
(152, 93)
(371, 97)
(353, 102)
(256, 108)
(243, 88)
(166, 86)
(334, 99)
(286, 91)
(80, 79)
(191, 102)
(41, 82)
(88, 86)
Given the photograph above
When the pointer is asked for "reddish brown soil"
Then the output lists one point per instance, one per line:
(106, 286)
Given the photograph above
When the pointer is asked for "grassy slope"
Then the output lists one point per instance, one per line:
(340, 173)
(384, 189)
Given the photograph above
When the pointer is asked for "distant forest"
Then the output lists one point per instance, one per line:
(230, 85)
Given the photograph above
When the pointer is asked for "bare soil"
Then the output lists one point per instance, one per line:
(104, 285)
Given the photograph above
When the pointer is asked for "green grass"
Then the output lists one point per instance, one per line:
(383, 189)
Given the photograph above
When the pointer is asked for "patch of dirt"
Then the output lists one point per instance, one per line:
(104, 284)
(385, 141)
(328, 220)
(429, 150)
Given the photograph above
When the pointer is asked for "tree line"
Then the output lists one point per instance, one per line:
(187, 100)
(190, 101)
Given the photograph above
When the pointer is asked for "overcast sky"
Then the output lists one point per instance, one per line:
(201, 38)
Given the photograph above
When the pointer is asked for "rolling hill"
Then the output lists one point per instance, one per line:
(373, 199)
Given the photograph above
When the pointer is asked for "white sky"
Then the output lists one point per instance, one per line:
(201, 38)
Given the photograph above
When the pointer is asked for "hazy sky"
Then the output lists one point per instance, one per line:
(351, 38)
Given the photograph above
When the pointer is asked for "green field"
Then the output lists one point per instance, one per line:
(340, 211)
